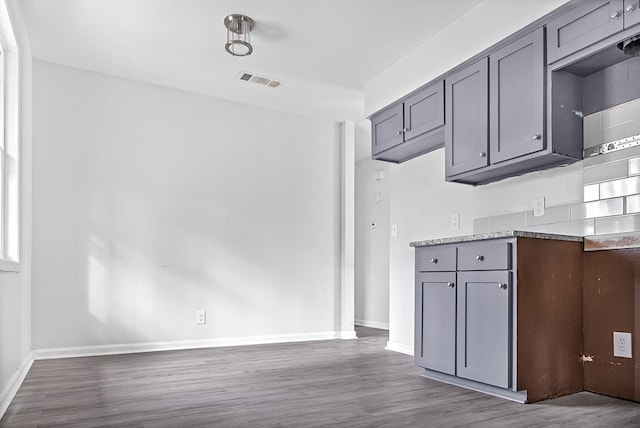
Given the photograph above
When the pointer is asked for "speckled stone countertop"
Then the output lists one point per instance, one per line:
(615, 241)
(495, 235)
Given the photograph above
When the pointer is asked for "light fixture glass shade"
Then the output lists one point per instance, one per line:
(238, 35)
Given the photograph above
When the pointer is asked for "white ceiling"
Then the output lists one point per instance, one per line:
(324, 50)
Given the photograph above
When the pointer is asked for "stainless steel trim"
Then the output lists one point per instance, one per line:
(612, 146)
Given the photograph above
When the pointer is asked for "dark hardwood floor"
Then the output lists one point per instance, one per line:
(338, 383)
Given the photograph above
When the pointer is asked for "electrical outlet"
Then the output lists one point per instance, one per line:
(621, 344)
(201, 317)
(394, 230)
(455, 221)
(538, 207)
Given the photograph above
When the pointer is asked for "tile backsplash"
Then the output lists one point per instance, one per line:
(611, 181)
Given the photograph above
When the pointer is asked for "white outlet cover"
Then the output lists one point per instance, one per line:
(622, 344)
(538, 207)
(394, 230)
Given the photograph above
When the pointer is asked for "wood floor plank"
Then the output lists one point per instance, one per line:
(338, 383)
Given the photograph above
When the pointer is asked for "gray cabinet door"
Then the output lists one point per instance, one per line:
(435, 318)
(484, 327)
(631, 13)
(467, 111)
(517, 98)
(588, 23)
(424, 111)
(386, 129)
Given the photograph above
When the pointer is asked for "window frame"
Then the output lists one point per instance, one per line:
(10, 147)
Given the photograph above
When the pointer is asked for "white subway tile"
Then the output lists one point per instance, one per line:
(602, 208)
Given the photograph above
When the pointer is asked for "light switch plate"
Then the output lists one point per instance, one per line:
(455, 221)
(622, 344)
(201, 317)
(394, 230)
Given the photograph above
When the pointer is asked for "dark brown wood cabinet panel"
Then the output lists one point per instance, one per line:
(611, 302)
(549, 330)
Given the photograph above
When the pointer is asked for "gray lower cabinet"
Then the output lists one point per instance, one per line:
(503, 316)
(588, 23)
(410, 127)
(484, 327)
(463, 317)
(436, 321)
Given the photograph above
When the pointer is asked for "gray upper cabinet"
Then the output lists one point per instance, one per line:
(411, 127)
(435, 327)
(517, 98)
(467, 127)
(631, 13)
(386, 129)
(484, 327)
(590, 22)
(424, 111)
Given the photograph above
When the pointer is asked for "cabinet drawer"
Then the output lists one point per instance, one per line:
(484, 256)
(436, 259)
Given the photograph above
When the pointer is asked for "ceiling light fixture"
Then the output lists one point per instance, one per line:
(238, 37)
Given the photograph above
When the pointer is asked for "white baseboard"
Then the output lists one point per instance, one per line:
(373, 324)
(347, 335)
(132, 348)
(10, 391)
(399, 347)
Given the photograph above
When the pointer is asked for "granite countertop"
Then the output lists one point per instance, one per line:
(615, 241)
(497, 235)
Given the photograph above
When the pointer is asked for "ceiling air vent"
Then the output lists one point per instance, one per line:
(260, 80)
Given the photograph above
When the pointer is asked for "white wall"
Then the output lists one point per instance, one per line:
(421, 201)
(372, 245)
(151, 203)
(15, 288)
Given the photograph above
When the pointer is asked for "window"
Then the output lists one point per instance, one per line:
(9, 146)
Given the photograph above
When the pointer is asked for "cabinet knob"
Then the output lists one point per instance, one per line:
(405, 130)
(536, 137)
(483, 154)
(630, 8)
(450, 284)
(400, 132)
(615, 15)
(502, 286)
(479, 257)
(434, 260)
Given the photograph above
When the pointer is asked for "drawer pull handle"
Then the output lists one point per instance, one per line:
(450, 284)
(615, 15)
(630, 8)
(502, 286)
(400, 132)
(483, 154)
(434, 260)
(479, 258)
(536, 137)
